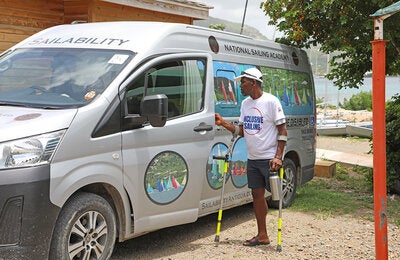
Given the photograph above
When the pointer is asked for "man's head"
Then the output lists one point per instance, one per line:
(250, 82)
(251, 73)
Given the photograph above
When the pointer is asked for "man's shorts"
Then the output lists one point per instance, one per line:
(258, 174)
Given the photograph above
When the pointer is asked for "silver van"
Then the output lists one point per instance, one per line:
(107, 132)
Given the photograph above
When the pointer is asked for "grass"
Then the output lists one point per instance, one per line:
(349, 192)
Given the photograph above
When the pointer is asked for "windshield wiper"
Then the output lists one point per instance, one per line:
(17, 104)
(14, 104)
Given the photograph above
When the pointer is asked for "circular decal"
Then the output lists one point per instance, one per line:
(239, 163)
(166, 177)
(295, 58)
(27, 117)
(215, 168)
(214, 46)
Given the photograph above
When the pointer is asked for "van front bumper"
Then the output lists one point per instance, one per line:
(27, 216)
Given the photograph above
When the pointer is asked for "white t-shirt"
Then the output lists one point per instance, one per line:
(259, 118)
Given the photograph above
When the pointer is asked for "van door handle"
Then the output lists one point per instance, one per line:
(203, 127)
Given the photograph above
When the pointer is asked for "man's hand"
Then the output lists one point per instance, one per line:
(275, 164)
(218, 119)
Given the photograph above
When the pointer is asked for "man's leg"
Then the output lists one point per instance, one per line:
(257, 177)
(260, 209)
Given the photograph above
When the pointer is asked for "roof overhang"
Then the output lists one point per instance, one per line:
(196, 10)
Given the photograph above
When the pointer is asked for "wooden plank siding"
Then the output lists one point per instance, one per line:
(76, 10)
(100, 11)
(22, 18)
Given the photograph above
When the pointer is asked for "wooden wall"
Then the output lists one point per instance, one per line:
(76, 10)
(100, 11)
(22, 18)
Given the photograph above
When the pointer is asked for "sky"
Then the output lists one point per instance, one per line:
(232, 10)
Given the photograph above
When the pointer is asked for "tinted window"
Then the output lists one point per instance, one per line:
(58, 77)
(181, 81)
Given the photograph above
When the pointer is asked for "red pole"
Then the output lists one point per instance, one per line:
(379, 147)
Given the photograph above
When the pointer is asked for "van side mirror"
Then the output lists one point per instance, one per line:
(155, 108)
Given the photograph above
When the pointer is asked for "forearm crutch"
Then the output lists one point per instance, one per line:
(226, 159)
(279, 246)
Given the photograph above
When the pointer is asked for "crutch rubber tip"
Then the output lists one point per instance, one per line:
(279, 248)
(216, 239)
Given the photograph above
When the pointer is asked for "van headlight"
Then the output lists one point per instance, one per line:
(31, 151)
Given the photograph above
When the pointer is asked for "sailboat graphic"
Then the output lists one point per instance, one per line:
(183, 183)
(159, 185)
(292, 100)
(165, 186)
(224, 91)
(304, 97)
(309, 99)
(236, 169)
(149, 188)
(175, 183)
(277, 95)
(231, 94)
(169, 183)
(296, 96)
(285, 96)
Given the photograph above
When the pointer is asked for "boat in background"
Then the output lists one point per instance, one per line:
(333, 127)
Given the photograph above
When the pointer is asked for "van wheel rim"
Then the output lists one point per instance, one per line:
(288, 183)
(88, 236)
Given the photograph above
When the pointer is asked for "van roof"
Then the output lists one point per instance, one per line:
(151, 38)
(104, 35)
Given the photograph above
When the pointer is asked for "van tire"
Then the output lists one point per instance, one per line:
(289, 185)
(74, 215)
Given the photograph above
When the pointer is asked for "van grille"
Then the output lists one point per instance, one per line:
(10, 221)
(50, 147)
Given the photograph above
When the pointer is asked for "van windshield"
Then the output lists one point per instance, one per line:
(58, 78)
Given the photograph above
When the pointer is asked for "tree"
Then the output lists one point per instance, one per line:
(220, 27)
(360, 101)
(393, 144)
(337, 25)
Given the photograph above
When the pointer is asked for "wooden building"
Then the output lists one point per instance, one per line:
(22, 18)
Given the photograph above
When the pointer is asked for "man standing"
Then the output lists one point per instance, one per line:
(263, 125)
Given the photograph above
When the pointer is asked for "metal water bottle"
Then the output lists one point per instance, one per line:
(275, 185)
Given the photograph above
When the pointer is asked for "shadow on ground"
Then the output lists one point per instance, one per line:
(178, 239)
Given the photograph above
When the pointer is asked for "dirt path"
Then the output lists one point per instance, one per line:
(344, 144)
(304, 236)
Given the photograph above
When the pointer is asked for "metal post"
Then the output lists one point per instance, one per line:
(379, 129)
(379, 139)
(244, 16)
(379, 146)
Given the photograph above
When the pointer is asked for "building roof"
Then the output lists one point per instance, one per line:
(188, 8)
(195, 3)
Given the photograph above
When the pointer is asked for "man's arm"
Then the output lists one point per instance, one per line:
(277, 161)
(229, 126)
(282, 138)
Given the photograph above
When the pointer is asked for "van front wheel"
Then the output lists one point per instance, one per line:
(289, 185)
(85, 229)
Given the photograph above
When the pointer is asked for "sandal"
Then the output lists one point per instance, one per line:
(255, 242)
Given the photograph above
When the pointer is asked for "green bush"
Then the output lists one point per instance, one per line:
(393, 144)
(360, 101)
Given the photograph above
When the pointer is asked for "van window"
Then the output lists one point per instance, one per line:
(58, 78)
(182, 81)
(294, 89)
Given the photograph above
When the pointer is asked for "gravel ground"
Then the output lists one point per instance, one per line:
(304, 236)
(344, 144)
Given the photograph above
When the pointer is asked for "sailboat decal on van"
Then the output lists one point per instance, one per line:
(166, 184)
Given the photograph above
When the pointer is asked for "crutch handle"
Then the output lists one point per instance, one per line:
(216, 157)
